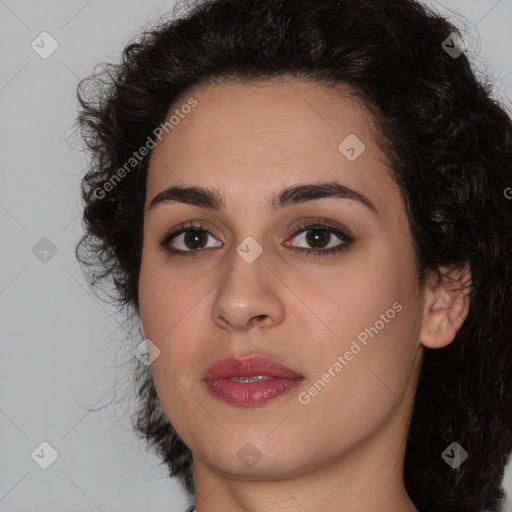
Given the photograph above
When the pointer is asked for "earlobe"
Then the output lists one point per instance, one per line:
(446, 305)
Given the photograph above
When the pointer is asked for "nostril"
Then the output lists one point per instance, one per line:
(258, 319)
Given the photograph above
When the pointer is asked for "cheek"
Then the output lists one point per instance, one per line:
(367, 282)
(168, 311)
(372, 359)
(173, 309)
(375, 319)
(153, 298)
(164, 298)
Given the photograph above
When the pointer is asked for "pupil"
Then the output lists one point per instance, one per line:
(316, 237)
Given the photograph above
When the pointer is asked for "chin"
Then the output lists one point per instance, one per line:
(257, 456)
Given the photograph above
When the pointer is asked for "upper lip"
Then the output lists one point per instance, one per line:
(249, 366)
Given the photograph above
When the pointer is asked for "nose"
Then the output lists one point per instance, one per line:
(249, 296)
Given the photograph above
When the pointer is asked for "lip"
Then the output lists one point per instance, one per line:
(281, 380)
(249, 366)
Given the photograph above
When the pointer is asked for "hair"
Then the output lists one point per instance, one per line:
(449, 144)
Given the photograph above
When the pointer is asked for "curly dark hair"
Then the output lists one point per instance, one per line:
(450, 143)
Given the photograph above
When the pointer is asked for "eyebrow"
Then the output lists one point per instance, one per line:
(212, 199)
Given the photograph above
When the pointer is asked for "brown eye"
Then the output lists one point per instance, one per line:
(321, 239)
(192, 240)
(188, 239)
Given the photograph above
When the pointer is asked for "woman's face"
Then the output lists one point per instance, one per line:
(347, 322)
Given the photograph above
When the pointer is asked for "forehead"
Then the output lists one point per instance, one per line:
(250, 138)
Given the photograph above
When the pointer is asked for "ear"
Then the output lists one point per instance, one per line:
(446, 304)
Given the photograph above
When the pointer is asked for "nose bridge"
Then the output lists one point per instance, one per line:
(248, 290)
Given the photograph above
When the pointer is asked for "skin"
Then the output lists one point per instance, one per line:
(249, 141)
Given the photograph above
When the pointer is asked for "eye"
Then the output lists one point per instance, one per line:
(319, 234)
(188, 238)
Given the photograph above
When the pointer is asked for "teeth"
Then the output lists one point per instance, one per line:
(246, 380)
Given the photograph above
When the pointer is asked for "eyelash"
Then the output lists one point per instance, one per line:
(306, 226)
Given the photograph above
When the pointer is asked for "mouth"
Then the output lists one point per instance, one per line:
(250, 381)
(247, 380)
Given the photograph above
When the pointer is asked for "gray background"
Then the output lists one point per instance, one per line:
(63, 350)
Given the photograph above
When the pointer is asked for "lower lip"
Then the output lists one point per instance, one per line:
(251, 393)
